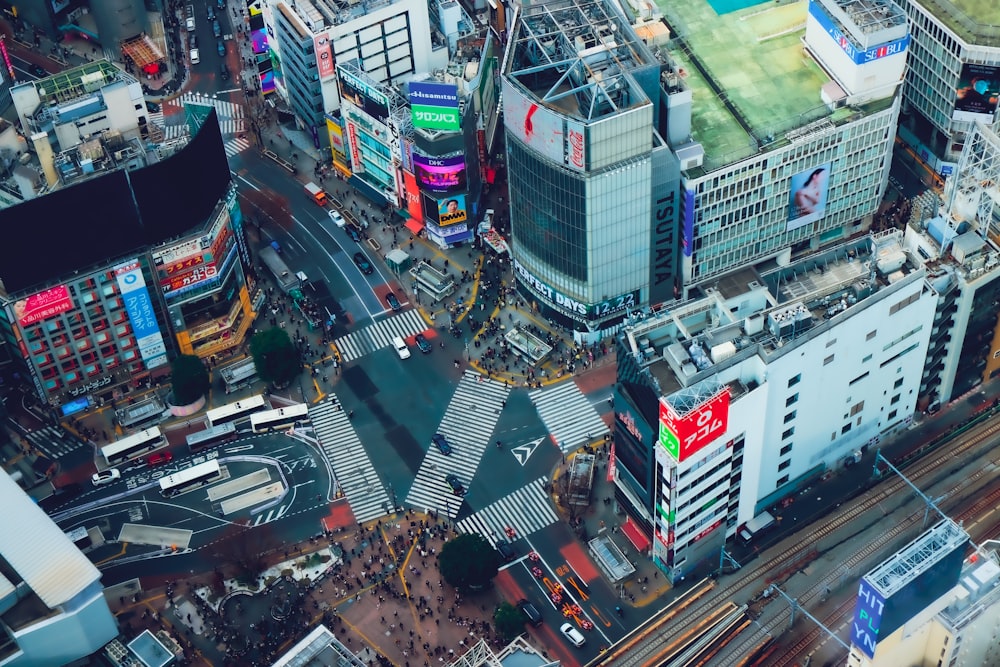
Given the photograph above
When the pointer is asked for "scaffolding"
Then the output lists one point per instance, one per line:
(142, 51)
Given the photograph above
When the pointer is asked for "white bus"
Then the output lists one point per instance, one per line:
(133, 446)
(279, 418)
(212, 435)
(190, 478)
(237, 411)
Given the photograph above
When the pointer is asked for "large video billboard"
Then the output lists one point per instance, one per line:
(140, 313)
(684, 436)
(434, 106)
(978, 92)
(362, 95)
(807, 196)
(43, 305)
(440, 173)
(451, 210)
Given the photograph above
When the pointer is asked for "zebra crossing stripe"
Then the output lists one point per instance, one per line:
(224, 107)
(356, 476)
(526, 510)
(236, 146)
(53, 442)
(379, 334)
(568, 416)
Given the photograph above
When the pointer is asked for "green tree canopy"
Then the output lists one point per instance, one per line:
(189, 378)
(468, 562)
(509, 621)
(275, 356)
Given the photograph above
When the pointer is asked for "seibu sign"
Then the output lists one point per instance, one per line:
(684, 436)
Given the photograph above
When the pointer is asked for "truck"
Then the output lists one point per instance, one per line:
(756, 526)
(316, 193)
(286, 280)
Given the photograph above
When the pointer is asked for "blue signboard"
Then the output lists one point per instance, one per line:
(867, 618)
(857, 55)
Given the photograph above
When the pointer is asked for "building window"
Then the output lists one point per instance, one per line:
(795, 380)
(791, 400)
(892, 415)
(788, 433)
(846, 429)
(785, 450)
(871, 334)
(857, 407)
(895, 399)
(831, 342)
(898, 383)
(784, 465)
(828, 360)
(782, 481)
(790, 416)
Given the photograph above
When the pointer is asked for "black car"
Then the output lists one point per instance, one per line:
(506, 551)
(216, 28)
(422, 343)
(39, 71)
(354, 233)
(456, 485)
(393, 302)
(221, 4)
(442, 443)
(152, 107)
(224, 71)
(530, 612)
(363, 263)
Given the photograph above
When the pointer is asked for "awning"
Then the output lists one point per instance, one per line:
(635, 535)
(414, 226)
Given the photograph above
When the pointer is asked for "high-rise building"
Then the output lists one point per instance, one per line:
(52, 605)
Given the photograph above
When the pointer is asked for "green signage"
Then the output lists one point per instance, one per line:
(669, 441)
(435, 118)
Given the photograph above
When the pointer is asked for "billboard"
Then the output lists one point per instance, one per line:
(434, 106)
(43, 305)
(440, 173)
(977, 93)
(592, 311)
(532, 124)
(451, 210)
(412, 194)
(140, 313)
(684, 436)
(324, 56)
(807, 196)
(365, 97)
(867, 618)
(576, 149)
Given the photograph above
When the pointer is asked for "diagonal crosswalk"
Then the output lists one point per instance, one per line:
(379, 334)
(356, 476)
(468, 425)
(568, 416)
(53, 441)
(525, 510)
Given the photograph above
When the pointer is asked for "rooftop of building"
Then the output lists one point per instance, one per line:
(890, 576)
(106, 152)
(765, 311)
(78, 81)
(974, 21)
(751, 82)
(574, 56)
(977, 590)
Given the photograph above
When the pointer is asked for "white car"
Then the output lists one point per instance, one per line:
(401, 349)
(572, 634)
(190, 24)
(106, 476)
(337, 218)
(195, 57)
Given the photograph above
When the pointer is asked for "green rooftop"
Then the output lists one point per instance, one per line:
(975, 21)
(754, 56)
(77, 81)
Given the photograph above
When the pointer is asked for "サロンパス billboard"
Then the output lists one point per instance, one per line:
(440, 173)
(807, 196)
(684, 436)
(43, 305)
(434, 106)
(978, 93)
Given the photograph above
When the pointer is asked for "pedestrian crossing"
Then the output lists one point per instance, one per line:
(156, 117)
(236, 145)
(356, 476)
(525, 510)
(569, 417)
(53, 441)
(270, 515)
(379, 334)
(468, 425)
(225, 108)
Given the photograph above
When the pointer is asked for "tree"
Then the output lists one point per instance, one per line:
(189, 378)
(244, 547)
(468, 562)
(276, 358)
(509, 621)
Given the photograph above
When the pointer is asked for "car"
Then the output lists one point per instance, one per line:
(363, 263)
(456, 485)
(39, 71)
(354, 233)
(224, 71)
(159, 458)
(393, 302)
(220, 4)
(103, 477)
(422, 343)
(195, 57)
(152, 107)
(572, 634)
(216, 28)
(210, 12)
(442, 443)
(337, 218)
(190, 24)
(221, 48)
(530, 612)
(399, 345)
(506, 550)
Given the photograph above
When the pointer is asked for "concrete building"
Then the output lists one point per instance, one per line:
(728, 403)
(52, 605)
(81, 103)
(592, 182)
(952, 77)
(106, 22)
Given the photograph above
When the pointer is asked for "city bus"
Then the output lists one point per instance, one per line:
(279, 418)
(212, 435)
(132, 446)
(193, 477)
(237, 411)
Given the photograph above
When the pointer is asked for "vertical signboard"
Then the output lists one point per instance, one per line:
(867, 618)
(434, 106)
(576, 149)
(324, 56)
(140, 313)
(684, 436)
(807, 196)
(412, 193)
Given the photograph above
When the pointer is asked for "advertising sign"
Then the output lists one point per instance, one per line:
(859, 56)
(43, 305)
(179, 252)
(434, 106)
(867, 618)
(576, 150)
(684, 436)
(440, 173)
(807, 196)
(977, 93)
(324, 56)
(451, 210)
(412, 193)
(532, 124)
(352, 141)
(200, 273)
(688, 240)
(592, 311)
(362, 95)
(611, 464)
(140, 313)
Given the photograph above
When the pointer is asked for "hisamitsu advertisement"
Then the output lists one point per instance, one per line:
(434, 106)
(978, 93)
(807, 196)
(440, 173)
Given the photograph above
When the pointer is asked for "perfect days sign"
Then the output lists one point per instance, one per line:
(592, 311)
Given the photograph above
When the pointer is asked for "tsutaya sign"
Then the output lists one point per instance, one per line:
(684, 436)
(592, 311)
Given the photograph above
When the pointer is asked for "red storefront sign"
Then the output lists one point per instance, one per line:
(684, 436)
